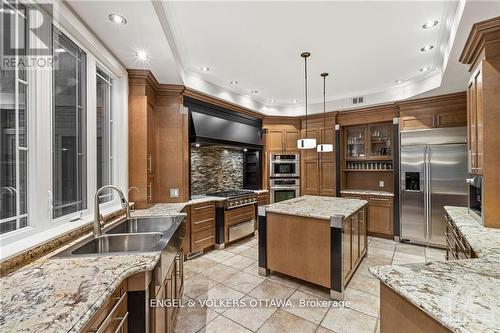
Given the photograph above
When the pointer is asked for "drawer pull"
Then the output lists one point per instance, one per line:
(123, 320)
(203, 239)
(203, 207)
(203, 221)
(111, 314)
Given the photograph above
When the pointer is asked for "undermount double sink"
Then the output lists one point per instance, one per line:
(135, 234)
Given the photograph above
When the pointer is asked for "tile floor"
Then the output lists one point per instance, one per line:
(232, 274)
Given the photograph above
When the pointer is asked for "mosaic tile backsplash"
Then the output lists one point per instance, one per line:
(215, 169)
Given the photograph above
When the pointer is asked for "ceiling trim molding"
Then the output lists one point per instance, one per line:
(482, 33)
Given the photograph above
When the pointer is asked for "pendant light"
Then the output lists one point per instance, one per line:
(306, 143)
(324, 147)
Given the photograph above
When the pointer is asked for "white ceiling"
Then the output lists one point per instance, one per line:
(364, 45)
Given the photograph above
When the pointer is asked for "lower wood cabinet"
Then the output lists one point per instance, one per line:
(202, 226)
(380, 214)
(113, 314)
(262, 199)
(162, 318)
(457, 247)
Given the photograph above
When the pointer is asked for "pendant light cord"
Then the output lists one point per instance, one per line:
(305, 71)
(324, 109)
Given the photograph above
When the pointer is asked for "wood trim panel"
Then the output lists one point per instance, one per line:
(374, 114)
(299, 247)
(396, 312)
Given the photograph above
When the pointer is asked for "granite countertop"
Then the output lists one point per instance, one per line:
(368, 192)
(461, 294)
(319, 207)
(61, 294)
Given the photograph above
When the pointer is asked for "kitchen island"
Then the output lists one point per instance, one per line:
(317, 239)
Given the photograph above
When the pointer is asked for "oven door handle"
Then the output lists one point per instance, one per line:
(285, 187)
(285, 162)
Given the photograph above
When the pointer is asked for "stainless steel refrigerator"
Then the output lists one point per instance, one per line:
(433, 174)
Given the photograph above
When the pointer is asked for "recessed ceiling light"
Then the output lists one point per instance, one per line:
(254, 91)
(233, 82)
(430, 24)
(427, 48)
(142, 55)
(425, 69)
(294, 101)
(117, 19)
(273, 100)
(205, 68)
(59, 50)
(398, 81)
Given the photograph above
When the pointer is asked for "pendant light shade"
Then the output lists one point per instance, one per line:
(306, 143)
(324, 147)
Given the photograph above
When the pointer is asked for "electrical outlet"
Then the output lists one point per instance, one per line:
(174, 192)
(381, 183)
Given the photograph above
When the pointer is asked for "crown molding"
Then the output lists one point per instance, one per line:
(481, 34)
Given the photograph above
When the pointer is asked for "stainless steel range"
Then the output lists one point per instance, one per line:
(235, 216)
(236, 198)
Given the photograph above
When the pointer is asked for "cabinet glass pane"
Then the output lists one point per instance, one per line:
(356, 142)
(380, 140)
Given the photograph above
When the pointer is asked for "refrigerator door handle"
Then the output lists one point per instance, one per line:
(426, 192)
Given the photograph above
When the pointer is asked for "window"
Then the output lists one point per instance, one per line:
(69, 149)
(13, 122)
(104, 132)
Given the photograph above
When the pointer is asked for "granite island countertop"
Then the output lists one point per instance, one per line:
(320, 207)
(460, 294)
(61, 294)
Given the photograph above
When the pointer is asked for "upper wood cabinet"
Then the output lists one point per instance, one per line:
(434, 112)
(475, 122)
(282, 138)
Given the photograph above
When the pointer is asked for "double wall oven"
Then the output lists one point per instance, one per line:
(284, 177)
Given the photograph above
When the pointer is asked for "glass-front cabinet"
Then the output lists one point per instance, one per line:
(356, 145)
(372, 142)
(380, 141)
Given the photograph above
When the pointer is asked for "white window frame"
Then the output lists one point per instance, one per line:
(43, 227)
(17, 82)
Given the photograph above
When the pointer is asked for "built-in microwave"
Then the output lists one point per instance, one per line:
(285, 165)
(475, 195)
(282, 189)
